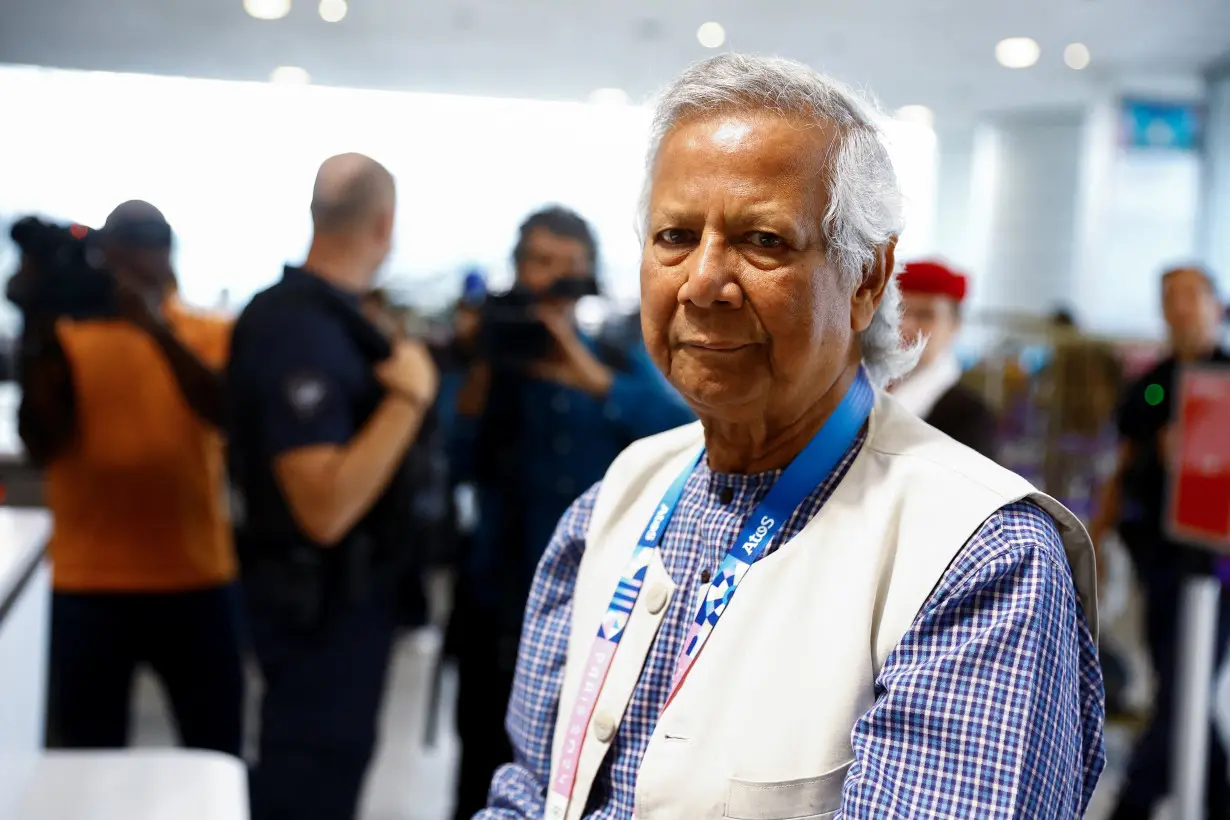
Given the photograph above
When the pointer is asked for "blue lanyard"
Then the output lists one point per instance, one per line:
(804, 474)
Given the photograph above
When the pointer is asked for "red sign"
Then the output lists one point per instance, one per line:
(1200, 459)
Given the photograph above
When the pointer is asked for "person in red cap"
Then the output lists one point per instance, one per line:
(932, 294)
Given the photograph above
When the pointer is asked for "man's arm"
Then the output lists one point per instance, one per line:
(46, 419)
(991, 706)
(329, 469)
(519, 790)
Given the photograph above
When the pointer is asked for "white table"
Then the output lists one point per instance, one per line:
(137, 784)
(25, 598)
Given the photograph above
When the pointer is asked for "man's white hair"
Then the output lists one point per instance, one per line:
(866, 208)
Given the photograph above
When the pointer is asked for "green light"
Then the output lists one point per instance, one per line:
(1154, 394)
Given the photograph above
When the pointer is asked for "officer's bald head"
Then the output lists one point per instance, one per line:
(351, 192)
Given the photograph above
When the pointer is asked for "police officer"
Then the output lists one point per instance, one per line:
(1134, 502)
(324, 410)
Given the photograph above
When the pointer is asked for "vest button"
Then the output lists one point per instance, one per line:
(656, 599)
(604, 728)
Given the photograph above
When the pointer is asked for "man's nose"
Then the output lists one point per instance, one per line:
(711, 281)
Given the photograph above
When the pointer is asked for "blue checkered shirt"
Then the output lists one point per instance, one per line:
(991, 706)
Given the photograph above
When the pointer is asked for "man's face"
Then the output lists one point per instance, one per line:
(549, 258)
(1191, 309)
(932, 315)
(740, 306)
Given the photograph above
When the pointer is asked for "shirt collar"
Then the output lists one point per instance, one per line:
(302, 276)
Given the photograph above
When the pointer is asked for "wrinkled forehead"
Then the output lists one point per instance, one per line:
(755, 140)
(747, 157)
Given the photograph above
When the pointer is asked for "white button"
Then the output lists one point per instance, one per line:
(604, 728)
(656, 599)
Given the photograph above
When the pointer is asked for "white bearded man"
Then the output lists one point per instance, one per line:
(810, 604)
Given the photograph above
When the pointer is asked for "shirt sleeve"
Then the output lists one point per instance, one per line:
(519, 789)
(642, 402)
(303, 385)
(991, 706)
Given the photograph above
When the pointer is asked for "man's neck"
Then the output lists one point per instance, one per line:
(760, 446)
(339, 265)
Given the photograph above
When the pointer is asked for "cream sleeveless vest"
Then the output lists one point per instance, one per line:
(761, 728)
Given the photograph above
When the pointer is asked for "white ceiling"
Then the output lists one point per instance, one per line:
(933, 52)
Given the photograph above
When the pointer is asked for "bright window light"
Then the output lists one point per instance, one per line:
(249, 138)
(608, 96)
(916, 114)
(289, 75)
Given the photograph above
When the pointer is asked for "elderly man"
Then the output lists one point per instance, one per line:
(932, 294)
(811, 603)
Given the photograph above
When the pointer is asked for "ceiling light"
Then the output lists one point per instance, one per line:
(1017, 52)
(916, 114)
(608, 96)
(711, 35)
(1076, 56)
(332, 11)
(267, 9)
(289, 75)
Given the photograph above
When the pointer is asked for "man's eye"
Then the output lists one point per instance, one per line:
(674, 236)
(766, 240)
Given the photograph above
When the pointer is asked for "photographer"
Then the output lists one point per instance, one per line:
(121, 400)
(537, 419)
(324, 408)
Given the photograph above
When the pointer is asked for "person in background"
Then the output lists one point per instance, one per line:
(531, 439)
(123, 412)
(1133, 501)
(324, 408)
(932, 294)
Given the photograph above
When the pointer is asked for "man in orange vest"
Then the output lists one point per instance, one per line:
(121, 405)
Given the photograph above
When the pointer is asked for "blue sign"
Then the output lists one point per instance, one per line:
(1175, 126)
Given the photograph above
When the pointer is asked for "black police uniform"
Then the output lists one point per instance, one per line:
(322, 619)
(1161, 565)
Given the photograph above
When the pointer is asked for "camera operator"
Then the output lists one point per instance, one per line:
(324, 410)
(538, 419)
(121, 404)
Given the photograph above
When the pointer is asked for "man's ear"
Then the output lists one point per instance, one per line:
(870, 291)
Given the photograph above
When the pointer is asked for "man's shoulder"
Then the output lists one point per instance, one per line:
(277, 319)
(928, 460)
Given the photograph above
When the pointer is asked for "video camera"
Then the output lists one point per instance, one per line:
(511, 335)
(63, 273)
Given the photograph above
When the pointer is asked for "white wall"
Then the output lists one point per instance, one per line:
(1031, 210)
(1215, 225)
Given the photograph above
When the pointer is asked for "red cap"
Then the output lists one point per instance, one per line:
(932, 278)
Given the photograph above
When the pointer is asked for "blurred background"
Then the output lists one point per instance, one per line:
(1060, 153)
